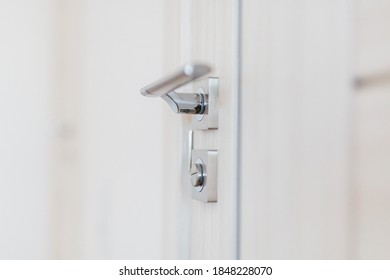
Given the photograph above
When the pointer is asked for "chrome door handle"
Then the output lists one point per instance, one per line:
(203, 104)
(183, 103)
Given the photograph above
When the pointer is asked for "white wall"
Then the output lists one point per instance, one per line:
(122, 130)
(80, 148)
(25, 82)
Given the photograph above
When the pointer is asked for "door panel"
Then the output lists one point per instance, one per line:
(206, 230)
(296, 127)
(213, 225)
(303, 170)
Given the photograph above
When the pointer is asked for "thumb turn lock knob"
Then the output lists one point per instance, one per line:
(198, 176)
(204, 173)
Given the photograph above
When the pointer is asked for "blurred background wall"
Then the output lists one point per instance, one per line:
(26, 56)
(80, 148)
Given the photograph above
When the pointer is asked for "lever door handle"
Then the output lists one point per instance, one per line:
(183, 103)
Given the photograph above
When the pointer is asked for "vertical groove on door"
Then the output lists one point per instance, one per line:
(213, 226)
(237, 64)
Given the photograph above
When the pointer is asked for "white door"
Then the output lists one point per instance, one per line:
(296, 96)
(283, 129)
(291, 171)
(204, 31)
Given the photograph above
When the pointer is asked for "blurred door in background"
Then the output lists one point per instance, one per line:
(371, 149)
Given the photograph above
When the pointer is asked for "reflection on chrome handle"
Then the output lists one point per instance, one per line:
(185, 103)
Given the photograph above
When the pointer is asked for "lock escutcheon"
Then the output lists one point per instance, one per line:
(204, 174)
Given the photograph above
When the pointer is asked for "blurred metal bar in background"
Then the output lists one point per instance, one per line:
(376, 79)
